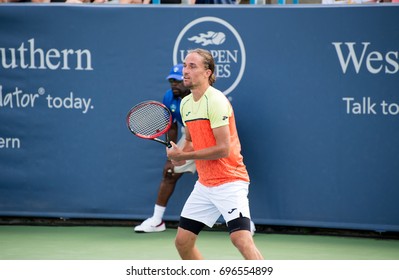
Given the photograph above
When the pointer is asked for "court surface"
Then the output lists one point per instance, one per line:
(122, 243)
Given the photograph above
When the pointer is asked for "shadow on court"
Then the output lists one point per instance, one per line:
(122, 243)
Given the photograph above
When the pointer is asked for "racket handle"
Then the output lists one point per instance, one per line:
(167, 140)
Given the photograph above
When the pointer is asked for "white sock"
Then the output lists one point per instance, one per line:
(158, 213)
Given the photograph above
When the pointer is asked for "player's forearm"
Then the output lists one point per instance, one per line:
(220, 150)
(188, 146)
(211, 153)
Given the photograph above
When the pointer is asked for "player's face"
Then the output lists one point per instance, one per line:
(195, 74)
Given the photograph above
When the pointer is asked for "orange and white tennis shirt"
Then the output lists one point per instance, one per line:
(211, 111)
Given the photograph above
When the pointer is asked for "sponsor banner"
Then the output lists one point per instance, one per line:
(315, 93)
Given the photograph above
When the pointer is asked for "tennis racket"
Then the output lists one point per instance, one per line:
(149, 120)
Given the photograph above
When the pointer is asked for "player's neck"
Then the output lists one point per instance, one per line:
(199, 91)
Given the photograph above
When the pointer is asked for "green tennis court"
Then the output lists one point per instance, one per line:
(21, 242)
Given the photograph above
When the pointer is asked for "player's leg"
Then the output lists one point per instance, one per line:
(197, 212)
(241, 237)
(232, 201)
(186, 238)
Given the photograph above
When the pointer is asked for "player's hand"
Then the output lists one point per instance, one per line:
(175, 154)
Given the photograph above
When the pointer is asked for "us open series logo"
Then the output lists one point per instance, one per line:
(223, 41)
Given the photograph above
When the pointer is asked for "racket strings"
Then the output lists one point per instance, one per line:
(149, 119)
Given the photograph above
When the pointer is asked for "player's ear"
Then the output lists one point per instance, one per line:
(208, 73)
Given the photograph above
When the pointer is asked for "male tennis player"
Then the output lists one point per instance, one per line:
(171, 174)
(212, 141)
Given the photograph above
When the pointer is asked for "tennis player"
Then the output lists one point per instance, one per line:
(170, 174)
(212, 141)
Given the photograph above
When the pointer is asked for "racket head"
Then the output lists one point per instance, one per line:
(149, 119)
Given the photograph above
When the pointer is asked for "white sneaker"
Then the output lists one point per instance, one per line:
(150, 225)
(253, 228)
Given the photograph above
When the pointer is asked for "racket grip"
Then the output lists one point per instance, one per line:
(167, 140)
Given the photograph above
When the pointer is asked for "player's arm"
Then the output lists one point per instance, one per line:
(186, 147)
(220, 150)
(188, 144)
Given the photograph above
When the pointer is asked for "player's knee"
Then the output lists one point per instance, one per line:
(241, 240)
(240, 233)
(182, 242)
(179, 243)
(187, 234)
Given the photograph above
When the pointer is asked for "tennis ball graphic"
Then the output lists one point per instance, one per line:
(218, 38)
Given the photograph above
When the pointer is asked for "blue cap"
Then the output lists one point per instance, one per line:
(176, 72)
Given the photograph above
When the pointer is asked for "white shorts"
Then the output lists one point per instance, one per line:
(206, 204)
(189, 166)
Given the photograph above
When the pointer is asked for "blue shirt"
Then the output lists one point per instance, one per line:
(173, 104)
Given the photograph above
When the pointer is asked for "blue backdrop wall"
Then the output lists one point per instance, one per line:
(315, 90)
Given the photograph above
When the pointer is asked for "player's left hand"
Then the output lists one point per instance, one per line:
(174, 154)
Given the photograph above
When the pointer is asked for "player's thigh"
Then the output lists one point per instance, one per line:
(199, 207)
(232, 200)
